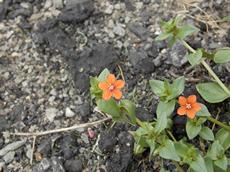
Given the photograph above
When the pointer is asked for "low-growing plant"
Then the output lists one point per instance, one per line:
(156, 136)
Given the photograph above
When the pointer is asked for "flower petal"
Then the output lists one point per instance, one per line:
(191, 113)
(119, 84)
(111, 79)
(117, 94)
(191, 99)
(196, 107)
(181, 110)
(106, 95)
(103, 85)
(182, 100)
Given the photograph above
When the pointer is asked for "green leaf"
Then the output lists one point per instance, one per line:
(215, 151)
(211, 92)
(163, 36)
(152, 145)
(195, 58)
(95, 91)
(138, 149)
(110, 107)
(164, 110)
(168, 151)
(222, 163)
(223, 136)
(181, 149)
(222, 55)
(192, 129)
(185, 31)
(157, 87)
(130, 108)
(103, 75)
(177, 87)
(209, 164)
(198, 165)
(203, 112)
(207, 134)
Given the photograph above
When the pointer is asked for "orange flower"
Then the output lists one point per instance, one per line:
(189, 106)
(111, 87)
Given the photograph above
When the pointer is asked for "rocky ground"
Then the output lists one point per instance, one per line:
(48, 50)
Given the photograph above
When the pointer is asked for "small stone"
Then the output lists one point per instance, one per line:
(29, 151)
(73, 165)
(69, 113)
(11, 147)
(51, 113)
(9, 157)
(48, 4)
(119, 30)
(85, 138)
(58, 4)
(2, 164)
(45, 164)
(109, 9)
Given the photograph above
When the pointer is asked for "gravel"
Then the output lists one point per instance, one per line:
(48, 50)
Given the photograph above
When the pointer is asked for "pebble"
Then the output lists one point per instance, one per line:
(11, 147)
(119, 30)
(9, 157)
(51, 113)
(109, 9)
(69, 113)
(58, 4)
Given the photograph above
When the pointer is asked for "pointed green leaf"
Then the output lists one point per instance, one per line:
(152, 145)
(186, 30)
(130, 108)
(222, 163)
(209, 164)
(192, 129)
(168, 151)
(198, 165)
(110, 107)
(215, 151)
(223, 136)
(203, 112)
(181, 149)
(103, 75)
(176, 88)
(195, 58)
(157, 87)
(163, 36)
(207, 134)
(164, 110)
(222, 55)
(212, 92)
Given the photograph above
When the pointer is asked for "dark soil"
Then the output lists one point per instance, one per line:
(80, 36)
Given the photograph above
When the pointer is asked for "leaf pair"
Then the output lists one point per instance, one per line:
(124, 110)
(195, 127)
(167, 91)
(173, 31)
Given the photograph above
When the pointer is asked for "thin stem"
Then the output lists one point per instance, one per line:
(74, 127)
(215, 121)
(208, 69)
(171, 135)
(178, 166)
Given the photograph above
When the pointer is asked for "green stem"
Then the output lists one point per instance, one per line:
(215, 121)
(178, 166)
(171, 135)
(208, 69)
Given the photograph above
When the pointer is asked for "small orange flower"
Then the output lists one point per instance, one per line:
(111, 87)
(189, 106)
